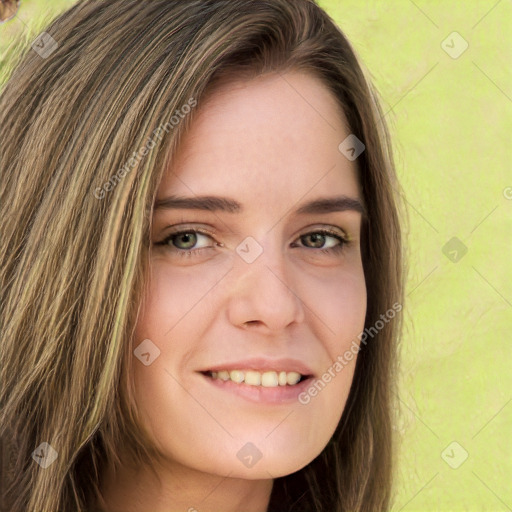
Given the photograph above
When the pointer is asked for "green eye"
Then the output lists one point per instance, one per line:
(185, 240)
(184, 243)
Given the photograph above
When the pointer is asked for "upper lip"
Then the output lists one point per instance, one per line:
(263, 365)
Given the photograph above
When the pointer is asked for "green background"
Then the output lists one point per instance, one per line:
(451, 123)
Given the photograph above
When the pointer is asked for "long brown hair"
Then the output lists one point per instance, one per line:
(75, 221)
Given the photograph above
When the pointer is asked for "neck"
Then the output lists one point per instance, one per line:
(180, 489)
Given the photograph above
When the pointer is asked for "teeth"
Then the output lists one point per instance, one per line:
(270, 379)
(236, 376)
(253, 378)
(292, 378)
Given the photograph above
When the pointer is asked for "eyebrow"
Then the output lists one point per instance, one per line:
(225, 204)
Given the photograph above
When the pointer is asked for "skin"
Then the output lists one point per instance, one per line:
(271, 143)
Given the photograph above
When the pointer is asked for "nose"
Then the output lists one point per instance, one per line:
(262, 293)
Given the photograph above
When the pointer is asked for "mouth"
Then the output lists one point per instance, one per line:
(267, 379)
(261, 383)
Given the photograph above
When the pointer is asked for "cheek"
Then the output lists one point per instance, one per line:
(168, 298)
(174, 309)
(337, 305)
(171, 296)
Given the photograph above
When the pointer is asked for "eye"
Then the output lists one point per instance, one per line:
(184, 242)
(319, 238)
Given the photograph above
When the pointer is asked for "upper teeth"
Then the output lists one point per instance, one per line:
(253, 378)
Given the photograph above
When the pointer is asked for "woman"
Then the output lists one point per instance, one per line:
(201, 264)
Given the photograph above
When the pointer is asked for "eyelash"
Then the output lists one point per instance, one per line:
(188, 253)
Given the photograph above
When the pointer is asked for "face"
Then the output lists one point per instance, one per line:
(257, 286)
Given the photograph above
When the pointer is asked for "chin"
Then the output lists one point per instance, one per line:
(271, 458)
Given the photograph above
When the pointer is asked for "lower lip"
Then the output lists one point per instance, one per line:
(260, 394)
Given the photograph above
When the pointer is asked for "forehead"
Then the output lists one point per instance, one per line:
(271, 138)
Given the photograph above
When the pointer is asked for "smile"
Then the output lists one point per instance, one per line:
(259, 387)
(269, 379)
